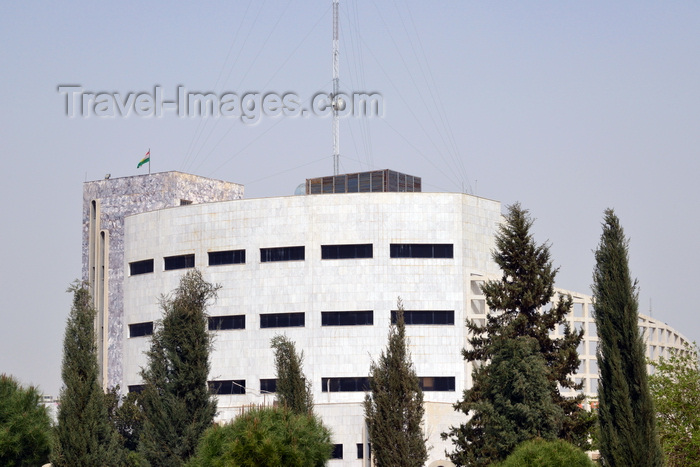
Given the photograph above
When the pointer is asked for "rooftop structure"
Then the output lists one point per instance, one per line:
(364, 182)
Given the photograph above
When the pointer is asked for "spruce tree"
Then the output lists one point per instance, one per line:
(518, 308)
(394, 407)
(177, 404)
(293, 389)
(628, 433)
(84, 437)
(514, 404)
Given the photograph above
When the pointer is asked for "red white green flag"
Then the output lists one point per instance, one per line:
(146, 158)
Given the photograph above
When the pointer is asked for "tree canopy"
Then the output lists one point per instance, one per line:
(675, 388)
(293, 388)
(177, 405)
(626, 411)
(25, 427)
(542, 453)
(394, 407)
(266, 437)
(84, 435)
(520, 305)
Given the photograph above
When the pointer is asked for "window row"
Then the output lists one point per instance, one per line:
(297, 253)
(362, 384)
(298, 319)
(344, 384)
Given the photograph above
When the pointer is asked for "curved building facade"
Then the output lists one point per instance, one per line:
(327, 270)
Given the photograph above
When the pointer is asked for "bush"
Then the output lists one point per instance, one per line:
(266, 437)
(541, 453)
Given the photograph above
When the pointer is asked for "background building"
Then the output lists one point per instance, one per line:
(326, 270)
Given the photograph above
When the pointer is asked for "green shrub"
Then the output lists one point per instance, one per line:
(266, 437)
(541, 453)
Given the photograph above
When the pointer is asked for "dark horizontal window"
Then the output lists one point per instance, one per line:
(337, 451)
(282, 320)
(437, 383)
(141, 267)
(236, 386)
(268, 385)
(179, 262)
(141, 329)
(136, 388)
(221, 323)
(359, 384)
(285, 253)
(421, 250)
(217, 258)
(347, 318)
(346, 251)
(446, 317)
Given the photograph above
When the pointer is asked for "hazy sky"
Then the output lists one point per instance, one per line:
(567, 107)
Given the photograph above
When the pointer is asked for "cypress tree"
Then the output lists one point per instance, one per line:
(518, 304)
(293, 389)
(84, 436)
(628, 433)
(177, 405)
(394, 407)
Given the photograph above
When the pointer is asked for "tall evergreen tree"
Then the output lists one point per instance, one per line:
(177, 404)
(293, 389)
(628, 433)
(518, 304)
(394, 407)
(84, 437)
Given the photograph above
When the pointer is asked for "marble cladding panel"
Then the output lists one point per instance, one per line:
(121, 197)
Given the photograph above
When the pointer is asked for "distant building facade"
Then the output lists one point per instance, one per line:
(324, 270)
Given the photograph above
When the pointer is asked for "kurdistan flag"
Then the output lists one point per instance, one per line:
(146, 158)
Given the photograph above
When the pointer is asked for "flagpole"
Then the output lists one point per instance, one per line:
(149, 161)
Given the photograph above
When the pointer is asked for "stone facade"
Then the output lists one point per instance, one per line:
(118, 198)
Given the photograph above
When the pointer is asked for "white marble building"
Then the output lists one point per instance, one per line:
(326, 270)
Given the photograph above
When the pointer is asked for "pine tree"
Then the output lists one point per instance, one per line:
(293, 389)
(628, 433)
(266, 437)
(25, 427)
(84, 436)
(177, 404)
(394, 407)
(518, 304)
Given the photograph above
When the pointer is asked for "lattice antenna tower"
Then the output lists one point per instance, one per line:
(337, 103)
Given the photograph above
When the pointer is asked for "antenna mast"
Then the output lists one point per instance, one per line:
(336, 102)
